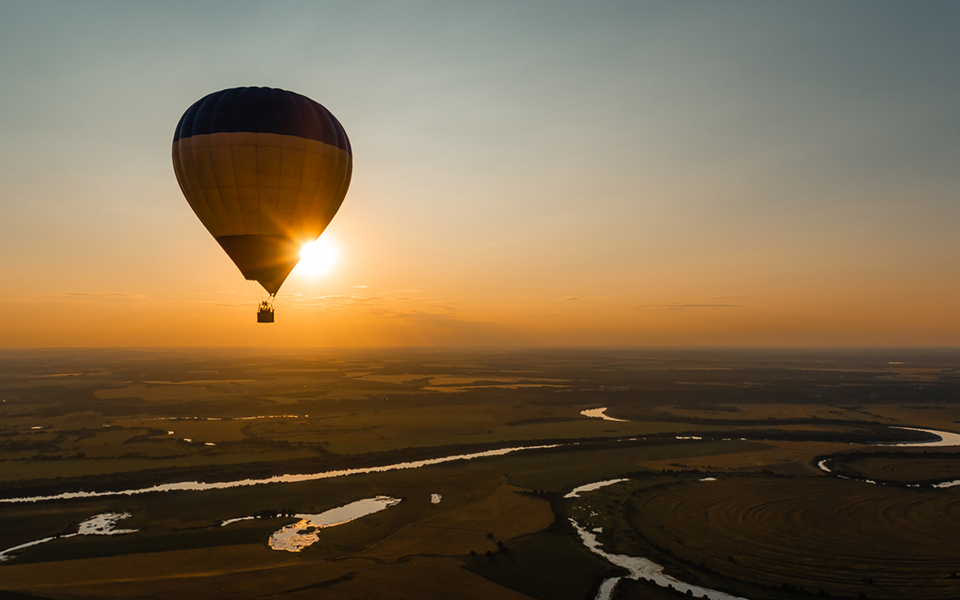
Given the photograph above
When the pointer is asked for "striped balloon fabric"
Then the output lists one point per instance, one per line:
(265, 170)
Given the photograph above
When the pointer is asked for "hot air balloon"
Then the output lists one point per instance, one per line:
(265, 170)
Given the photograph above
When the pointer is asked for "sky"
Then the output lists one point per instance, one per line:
(526, 174)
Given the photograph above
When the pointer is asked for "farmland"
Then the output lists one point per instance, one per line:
(772, 523)
(899, 467)
(747, 533)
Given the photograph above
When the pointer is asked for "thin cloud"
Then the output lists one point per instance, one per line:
(337, 300)
(382, 306)
(99, 295)
(683, 306)
(572, 298)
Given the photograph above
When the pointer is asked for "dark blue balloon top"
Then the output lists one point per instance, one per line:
(262, 110)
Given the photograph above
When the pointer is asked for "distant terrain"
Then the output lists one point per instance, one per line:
(761, 474)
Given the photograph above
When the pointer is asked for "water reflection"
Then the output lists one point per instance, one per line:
(102, 524)
(642, 567)
(947, 484)
(592, 486)
(947, 438)
(638, 566)
(198, 486)
(305, 532)
(598, 413)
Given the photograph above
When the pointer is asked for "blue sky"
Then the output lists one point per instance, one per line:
(777, 173)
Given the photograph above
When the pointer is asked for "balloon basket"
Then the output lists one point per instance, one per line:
(265, 314)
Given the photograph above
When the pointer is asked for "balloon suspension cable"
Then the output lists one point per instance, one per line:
(288, 296)
(256, 289)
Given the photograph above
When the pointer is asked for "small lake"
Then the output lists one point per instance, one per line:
(598, 413)
(306, 532)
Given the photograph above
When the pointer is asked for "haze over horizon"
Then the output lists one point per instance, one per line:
(536, 174)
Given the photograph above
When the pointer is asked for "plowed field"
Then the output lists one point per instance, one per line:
(846, 537)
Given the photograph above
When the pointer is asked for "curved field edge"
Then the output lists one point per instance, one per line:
(763, 537)
(897, 467)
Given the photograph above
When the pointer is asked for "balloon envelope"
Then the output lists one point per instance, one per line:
(265, 170)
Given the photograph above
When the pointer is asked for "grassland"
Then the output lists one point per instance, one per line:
(103, 420)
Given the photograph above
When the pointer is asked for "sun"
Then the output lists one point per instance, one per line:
(318, 258)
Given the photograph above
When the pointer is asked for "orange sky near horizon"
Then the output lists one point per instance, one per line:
(546, 175)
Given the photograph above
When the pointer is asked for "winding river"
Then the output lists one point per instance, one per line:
(638, 566)
(102, 524)
(305, 532)
(292, 538)
(198, 486)
(948, 439)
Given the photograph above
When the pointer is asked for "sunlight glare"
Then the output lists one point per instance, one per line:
(318, 258)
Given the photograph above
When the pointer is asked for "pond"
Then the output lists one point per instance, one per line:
(306, 532)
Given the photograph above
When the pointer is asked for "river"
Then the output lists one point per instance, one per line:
(298, 535)
(198, 486)
(638, 566)
(292, 538)
(647, 569)
(947, 439)
(102, 524)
